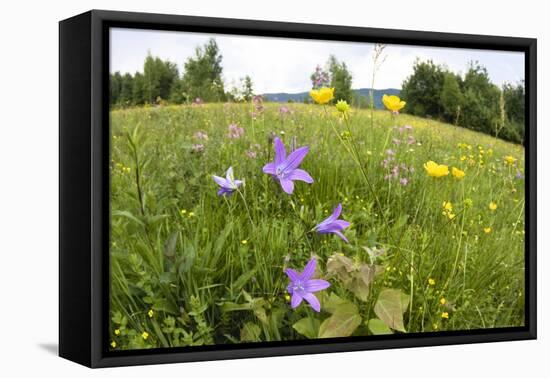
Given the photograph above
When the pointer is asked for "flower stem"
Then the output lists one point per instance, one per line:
(354, 152)
(246, 206)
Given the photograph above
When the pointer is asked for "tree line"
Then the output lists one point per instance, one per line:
(471, 101)
(161, 81)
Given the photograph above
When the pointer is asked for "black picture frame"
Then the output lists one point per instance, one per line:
(84, 179)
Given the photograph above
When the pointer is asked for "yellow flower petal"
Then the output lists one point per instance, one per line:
(457, 173)
(436, 170)
(393, 103)
(323, 95)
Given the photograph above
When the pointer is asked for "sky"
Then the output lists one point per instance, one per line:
(285, 65)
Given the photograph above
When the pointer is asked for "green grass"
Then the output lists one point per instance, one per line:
(212, 271)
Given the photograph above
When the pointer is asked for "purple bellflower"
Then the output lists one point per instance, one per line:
(302, 286)
(227, 185)
(333, 225)
(284, 168)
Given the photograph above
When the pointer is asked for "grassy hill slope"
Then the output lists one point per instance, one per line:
(190, 268)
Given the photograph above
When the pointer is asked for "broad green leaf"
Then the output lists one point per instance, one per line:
(180, 188)
(188, 258)
(362, 280)
(359, 288)
(401, 221)
(374, 253)
(261, 314)
(390, 306)
(126, 214)
(165, 305)
(356, 277)
(232, 306)
(378, 327)
(308, 327)
(367, 273)
(341, 266)
(242, 280)
(332, 302)
(167, 277)
(250, 332)
(170, 244)
(341, 323)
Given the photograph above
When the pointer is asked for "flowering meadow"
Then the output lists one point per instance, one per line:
(259, 222)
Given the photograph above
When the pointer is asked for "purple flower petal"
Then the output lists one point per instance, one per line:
(283, 168)
(316, 285)
(341, 224)
(229, 174)
(309, 270)
(292, 274)
(333, 225)
(290, 288)
(301, 285)
(224, 191)
(296, 300)
(336, 213)
(220, 181)
(287, 185)
(301, 175)
(270, 168)
(280, 152)
(341, 236)
(294, 159)
(313, 301)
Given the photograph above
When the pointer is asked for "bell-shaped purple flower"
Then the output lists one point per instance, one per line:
(228, 184)
(285, 169)
(333, 225)
(302, 286)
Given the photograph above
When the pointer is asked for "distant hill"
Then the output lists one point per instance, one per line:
(299, 97)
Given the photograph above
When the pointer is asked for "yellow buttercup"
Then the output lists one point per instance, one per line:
(457, 173)
(393, 103)
(436, 170)
(322, 95)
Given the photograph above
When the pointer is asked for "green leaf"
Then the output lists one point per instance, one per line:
(341, 266)
(390, 306)
(400, 222)
(160, 334)
(308, 327)
(170, 244)
(250, 332)
(242, 280)
(341, 323)
(165, 305)
(188, 258)
(332, 302)
(360, 289)
(180, 188)
(374, 253)
(378, 327)
(127, 215)
(232, 306)
(167, 277)
(362, 280)
(260, 314)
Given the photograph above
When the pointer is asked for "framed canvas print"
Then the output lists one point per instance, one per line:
(234, 188)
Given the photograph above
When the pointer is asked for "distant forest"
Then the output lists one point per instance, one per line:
(471, 101)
